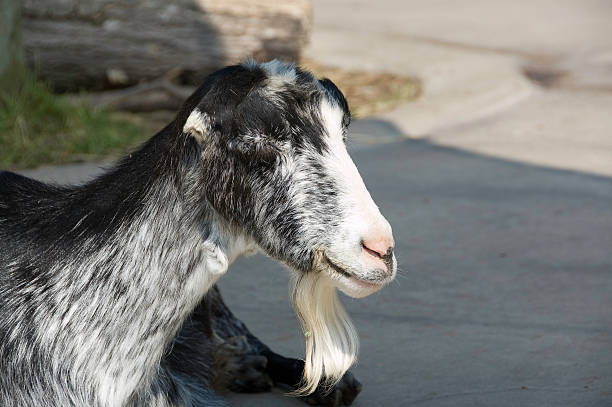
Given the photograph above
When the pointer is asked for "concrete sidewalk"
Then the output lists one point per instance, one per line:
(475, 60)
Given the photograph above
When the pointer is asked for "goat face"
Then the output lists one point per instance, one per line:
(271, 143)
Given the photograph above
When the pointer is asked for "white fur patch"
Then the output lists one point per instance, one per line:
(279, 75)
(216, 260)
(197, 124)
(331, 340)
(277, 70)
(332, 117)
(362, 218)
(341, 167)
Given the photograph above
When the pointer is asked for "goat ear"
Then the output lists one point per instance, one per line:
(197, 124)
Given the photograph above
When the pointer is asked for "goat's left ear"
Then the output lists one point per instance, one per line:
(197, 124)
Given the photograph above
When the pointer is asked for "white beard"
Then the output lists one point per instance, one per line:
(331, 340)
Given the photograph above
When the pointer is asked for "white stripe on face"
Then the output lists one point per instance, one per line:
(361, 221)
(363, 216)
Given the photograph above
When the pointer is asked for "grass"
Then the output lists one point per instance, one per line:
(38, 127)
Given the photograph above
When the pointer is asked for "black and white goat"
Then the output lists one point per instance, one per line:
(103, 287)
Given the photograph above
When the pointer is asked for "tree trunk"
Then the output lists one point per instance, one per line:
(101, 44)
(11, 63)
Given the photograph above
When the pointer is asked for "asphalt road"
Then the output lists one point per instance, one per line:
(504, 297)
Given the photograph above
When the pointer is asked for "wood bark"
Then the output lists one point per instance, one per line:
(11, 63)
(102, 44)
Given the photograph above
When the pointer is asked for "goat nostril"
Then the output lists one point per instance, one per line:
(379, 250)
(370, 251)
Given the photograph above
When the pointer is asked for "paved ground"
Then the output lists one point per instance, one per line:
(473, 57)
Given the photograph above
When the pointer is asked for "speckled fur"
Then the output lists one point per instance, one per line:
(102, 286)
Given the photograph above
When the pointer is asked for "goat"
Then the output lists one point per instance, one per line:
(103, 286)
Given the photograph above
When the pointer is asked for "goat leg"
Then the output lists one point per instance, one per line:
(249, 373)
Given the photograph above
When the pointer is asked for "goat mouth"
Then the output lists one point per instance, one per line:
(347, 274)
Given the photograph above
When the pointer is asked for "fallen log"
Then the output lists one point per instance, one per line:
(159, 94)
(105, 44)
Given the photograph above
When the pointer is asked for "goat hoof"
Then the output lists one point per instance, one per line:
(250, 376)
(342, 394)
(246, 371)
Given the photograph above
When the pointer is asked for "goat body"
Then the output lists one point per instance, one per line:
(96, 281)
